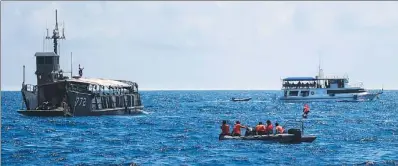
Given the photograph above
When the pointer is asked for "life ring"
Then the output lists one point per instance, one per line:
(312, 93)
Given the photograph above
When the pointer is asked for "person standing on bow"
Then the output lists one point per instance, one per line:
(80, 71)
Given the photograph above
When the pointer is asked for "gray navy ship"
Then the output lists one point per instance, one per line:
(58, 95)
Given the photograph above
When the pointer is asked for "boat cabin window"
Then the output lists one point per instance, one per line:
(40, 60)
(293, 93)
(305, 93)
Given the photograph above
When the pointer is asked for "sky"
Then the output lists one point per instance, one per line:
(206, 45)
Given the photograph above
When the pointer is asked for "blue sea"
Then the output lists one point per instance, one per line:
(182, 127)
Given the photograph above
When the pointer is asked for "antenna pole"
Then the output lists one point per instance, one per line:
(55, 37)
(23, 79)
(71, 67)
(44, 39)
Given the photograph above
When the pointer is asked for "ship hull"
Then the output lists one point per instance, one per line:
(56, 112)
(49, 113)
(87, 104)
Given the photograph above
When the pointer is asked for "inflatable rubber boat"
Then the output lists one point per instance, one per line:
(293, 135)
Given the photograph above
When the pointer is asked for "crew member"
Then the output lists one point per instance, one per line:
(279, 129)
(269, 129)
(236, 130)
(80, 71)
(224, 128)
(260, 129)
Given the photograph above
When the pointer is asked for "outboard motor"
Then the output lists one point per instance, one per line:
(249, 131)
(297, 134)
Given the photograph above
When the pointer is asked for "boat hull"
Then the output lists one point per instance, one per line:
(247, 99)
(337, 98)
(281, 138)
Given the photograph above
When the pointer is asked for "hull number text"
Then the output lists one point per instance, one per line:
(80, 101)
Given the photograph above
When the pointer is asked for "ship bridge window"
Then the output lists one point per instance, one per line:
(48, 60)
(40, 60)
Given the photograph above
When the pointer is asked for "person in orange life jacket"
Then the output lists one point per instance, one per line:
(269, 129)
(279, 129)
(224, 128)
(237, 127)
(306, 110)
(260, 129)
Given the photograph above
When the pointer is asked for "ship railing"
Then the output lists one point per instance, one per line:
(334, 77)
(359, 84)
(298, 86)
(29, 87)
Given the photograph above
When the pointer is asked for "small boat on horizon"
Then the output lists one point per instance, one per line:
(240, 99)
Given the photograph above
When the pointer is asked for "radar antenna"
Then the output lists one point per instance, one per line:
(55, 37)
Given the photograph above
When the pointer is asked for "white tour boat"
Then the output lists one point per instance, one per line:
(324, 89)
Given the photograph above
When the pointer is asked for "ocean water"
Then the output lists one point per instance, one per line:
(182, 127)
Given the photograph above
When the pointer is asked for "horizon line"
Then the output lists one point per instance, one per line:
(9, 90)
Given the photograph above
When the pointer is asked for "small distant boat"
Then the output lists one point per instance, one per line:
(241, 99)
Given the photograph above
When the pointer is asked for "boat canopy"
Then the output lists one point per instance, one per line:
(103, 82)
(299, 79)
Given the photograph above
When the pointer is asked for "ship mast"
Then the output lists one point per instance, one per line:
(55, 37)
(319, 82)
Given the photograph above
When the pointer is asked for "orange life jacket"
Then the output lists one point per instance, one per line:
(260, 128)
(225, 129)
(269, 128)
(237, 128)
(279, 129)
(306, 109)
